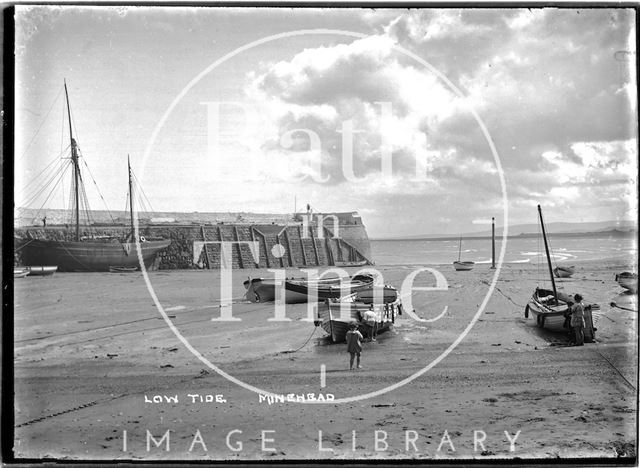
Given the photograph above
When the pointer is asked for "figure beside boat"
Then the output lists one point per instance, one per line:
(550, 308)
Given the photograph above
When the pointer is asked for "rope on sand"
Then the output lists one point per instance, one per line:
(505, 295)
(305, 343)
(612, 365)
(613, 304)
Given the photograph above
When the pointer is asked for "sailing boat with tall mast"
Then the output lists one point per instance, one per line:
(550, 308)
(459, 265)
(90, 253)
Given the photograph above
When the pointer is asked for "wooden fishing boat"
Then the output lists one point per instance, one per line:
(564, 271)
(460, 265)
(628, 281)
(122, 269)
(19, 272)
(328, 289)
(377, 294)
(264, 289)
(90, 253)
(335, 316)
(550, 308)
(42, 270)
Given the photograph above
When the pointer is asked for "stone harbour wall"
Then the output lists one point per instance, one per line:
(198, 246)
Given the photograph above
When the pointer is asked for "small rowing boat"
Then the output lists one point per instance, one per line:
(377, 294)
(564, 271)
(628, 281)
(20, 272)
(42, 270)
(122, 269)
(265, 289)
(318, 290)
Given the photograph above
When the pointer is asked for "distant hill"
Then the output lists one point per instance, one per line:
(589, 229)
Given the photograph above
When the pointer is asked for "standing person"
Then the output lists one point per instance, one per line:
(567, 323)
(370, 320)
(44, 221)
(577, 320)
(354, 344)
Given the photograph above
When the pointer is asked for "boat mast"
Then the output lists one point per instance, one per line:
(459, 248)
(130, 199)
(546, 248)
(76, 167)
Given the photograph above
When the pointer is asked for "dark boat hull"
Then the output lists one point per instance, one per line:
(463, 266)
(377, 294)
(264, 290)
(628, 281)
(90, 255)
(318, 291)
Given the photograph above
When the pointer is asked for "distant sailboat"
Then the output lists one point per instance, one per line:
(97, 253)
(459, 265)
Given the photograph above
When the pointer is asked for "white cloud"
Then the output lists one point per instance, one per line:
(545, 82)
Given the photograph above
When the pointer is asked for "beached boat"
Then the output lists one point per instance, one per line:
(550, 308)
(460, 265)
(335, 316)
(90, 253)
(628, 281)
(564, 271)
(19, 272)
(377, 294)
(264, 289)
(42, 270)
(122, 269)
(328, 289)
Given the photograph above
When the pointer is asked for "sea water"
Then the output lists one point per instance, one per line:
(564, 250)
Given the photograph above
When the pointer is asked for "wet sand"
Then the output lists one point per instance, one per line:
(92, 349)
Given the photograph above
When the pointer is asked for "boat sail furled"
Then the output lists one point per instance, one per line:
(90, 253)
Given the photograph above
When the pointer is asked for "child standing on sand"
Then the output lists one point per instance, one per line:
(354, 344)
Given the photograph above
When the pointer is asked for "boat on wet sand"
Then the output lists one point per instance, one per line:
(42, 270)
(335, 316)
(20, 272)
(377, 294)
(628, 281)
(298, 290)
(550, 308)
(564, 271)
(123, 269)
(316, 290)
(460, 265)
(265, 290)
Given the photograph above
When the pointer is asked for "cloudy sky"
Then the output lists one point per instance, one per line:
(379, 111)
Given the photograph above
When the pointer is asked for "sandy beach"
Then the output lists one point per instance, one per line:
(92, 351)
